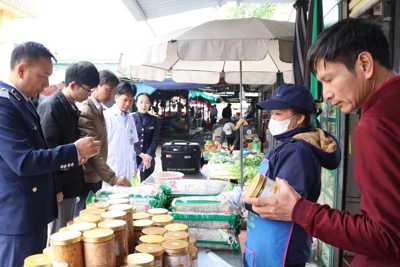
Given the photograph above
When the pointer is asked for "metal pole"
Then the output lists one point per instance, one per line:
(241, 127)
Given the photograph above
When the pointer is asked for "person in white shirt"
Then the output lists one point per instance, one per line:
(121, 132)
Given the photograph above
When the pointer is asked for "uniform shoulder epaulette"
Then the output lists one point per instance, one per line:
(15, 94)
(4, 93)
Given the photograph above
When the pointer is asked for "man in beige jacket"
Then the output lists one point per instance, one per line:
(92, 123)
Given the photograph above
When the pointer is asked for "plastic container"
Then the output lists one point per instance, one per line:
(38, 260)
(156, 250)
(116, 201)
(140, 260)
(151, 239)
(99, 248)
(154, 231)
(162, 177)
(120, 238)
(162, 220)
(176, 236)
(176, 227)
(119, 196)
(93, 211)
(67, 247)
(176, 253)
(98, 205)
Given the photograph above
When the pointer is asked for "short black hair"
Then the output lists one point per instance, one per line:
(84, 73)
(109, 78)
(145, 94)
(125, 88)
(29, 51)
(307, 117)
(345, 40)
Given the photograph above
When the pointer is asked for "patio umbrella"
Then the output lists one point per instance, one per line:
(299, 47)
(237, 51)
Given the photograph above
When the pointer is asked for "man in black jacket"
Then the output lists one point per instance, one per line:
(59, 119)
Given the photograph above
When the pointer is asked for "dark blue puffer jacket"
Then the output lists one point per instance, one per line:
(298, 159)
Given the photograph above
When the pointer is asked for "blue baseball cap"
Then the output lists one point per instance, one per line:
(289, 96)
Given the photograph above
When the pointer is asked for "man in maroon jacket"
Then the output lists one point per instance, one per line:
(351, 59)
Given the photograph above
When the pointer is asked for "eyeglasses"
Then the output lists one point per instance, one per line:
(86, 88)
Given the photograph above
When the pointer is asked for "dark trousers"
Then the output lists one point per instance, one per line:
(145, 173)
(297, 265)
(81, 205)
(15, 248)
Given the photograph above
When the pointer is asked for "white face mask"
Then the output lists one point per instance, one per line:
(276, 127)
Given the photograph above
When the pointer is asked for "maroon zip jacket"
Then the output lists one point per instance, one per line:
(374, 235)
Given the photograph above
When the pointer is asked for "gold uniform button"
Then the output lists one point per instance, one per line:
(34, 189)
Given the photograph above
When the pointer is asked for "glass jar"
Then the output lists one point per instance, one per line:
(38, 260)
(157, 211)
(140, 260)
(176, 227)
(91, 218)
(162, 220)
(120, 238)
(176, 253)
(154, 231)
(140, 216)
(138, 226)
(81, 227)
(67, 247)
(154, 249)
(99, 248)
(151, 239)
(176, 236)
(129, 209)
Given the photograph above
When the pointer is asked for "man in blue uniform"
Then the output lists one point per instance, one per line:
(27, 197)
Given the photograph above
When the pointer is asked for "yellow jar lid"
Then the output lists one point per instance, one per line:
(142, 223)
(98, 235)
(256, 186)
(153, 249)
(92, 211)
(123, 207)
(118, 196)
(115, 225)
(113, 214)
(140, 216)
(176, 235)
(163, 219)
(175, 227)
(157, 211)
(65, 238)
(116, 201)
(88, 218)
(151, 239)
(140, 259)
(65, 228)
(38, 260)
(98, 205)
(81, 227)
(154, 231)
(175, 246)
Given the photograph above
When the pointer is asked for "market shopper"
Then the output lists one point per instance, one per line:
(59, 119)
(298, 158)
(121, 132)
(148, 131)
(27, 196)
(351, 59)
(92, 123)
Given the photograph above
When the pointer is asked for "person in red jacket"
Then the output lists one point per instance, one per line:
(351, 59)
